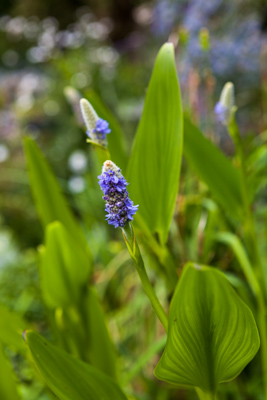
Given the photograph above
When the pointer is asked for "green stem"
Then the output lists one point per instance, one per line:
(161, 252)
(205, 395)
(132, 245)
(249, 229)
(252, 246)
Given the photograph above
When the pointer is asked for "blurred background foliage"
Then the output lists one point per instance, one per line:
(109, 46)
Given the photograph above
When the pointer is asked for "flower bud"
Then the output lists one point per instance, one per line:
(97, 128)
(204, 39)
(184, 36)
(226, 104)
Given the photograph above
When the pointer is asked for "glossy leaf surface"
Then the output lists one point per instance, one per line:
(154, 166)
(214, 168)
(68, 377)
(212, 333)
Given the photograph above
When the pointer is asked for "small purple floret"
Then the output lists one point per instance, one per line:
(101, 128)
(120, 209)
(222, 113)
(98, 134)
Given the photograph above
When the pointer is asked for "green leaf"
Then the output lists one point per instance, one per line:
(234, 242)
(68, 377)
(212, 334)
(154, 166)
(8, 389)
(49, 200)
(115, 138)
(214, 168)
(100, 347)
(12, 326)
(64, 268)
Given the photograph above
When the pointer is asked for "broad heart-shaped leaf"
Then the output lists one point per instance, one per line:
(8, 389)
(154, 166)
(68, 377)
(212, 334)
(64, 268)
(50, 202)
(11, 327)
(214, 168)
(115, 138)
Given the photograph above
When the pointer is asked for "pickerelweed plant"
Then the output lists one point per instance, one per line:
(210, 333)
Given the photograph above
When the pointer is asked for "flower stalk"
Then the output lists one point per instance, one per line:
(251, 241)
(132, 245)
(120, 210)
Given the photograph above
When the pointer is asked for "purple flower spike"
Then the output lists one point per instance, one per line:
(119, 207)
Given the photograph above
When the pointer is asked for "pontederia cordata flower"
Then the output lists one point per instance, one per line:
(120, 209)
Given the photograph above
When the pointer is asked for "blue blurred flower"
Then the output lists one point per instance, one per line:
(222, 113)
(119, 207)
(236, 37)
(164, 17)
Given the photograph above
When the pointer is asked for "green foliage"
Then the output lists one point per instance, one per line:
(50, 203)
(101, 350)
(8, 389)
(234, 242)
(11, 328)
(213, 167)
(154, 165)
(80, 320)
(68, 377)
(64, 268)
(212, 333)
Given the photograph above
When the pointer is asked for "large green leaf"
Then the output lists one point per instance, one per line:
(212, 333)
(49, 200)
(214, 168)
(11, 327)
(68, 377)
(64, 268)
(154, 166)
(8, 390)
(115, 138)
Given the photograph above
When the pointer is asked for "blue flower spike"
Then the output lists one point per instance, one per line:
(226, 105)
(120, 209)
(97, 128)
